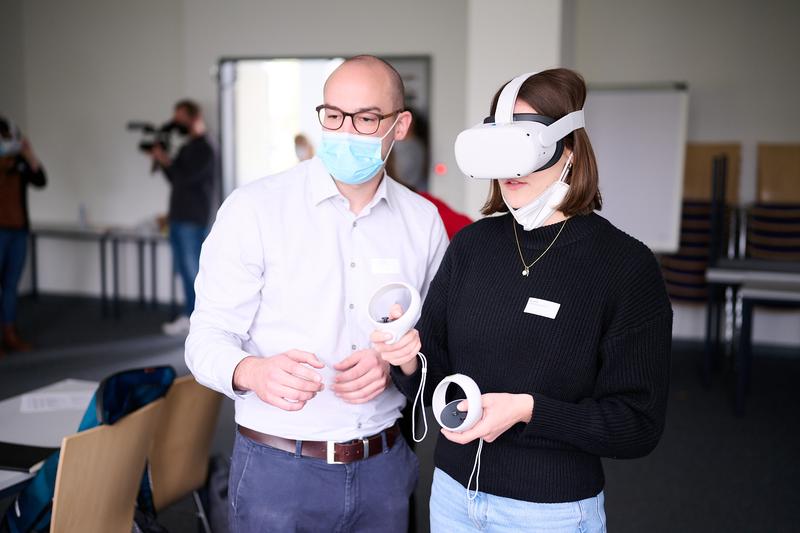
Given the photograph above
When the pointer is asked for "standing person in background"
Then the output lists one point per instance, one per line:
(409, 160)
(191, 177)
(564, 323)
(19, 167)
(408, 164)
(303, 147)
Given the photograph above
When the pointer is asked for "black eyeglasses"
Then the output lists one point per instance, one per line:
(365, 122)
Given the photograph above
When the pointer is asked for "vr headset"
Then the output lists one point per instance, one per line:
(509, 145)
(10, 138)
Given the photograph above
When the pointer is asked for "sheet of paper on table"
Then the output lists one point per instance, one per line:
(48, 402)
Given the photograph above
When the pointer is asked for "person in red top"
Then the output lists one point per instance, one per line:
(453, 220)
(408, 164)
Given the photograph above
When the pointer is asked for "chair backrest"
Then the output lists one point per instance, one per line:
(99, 473)
(697, 171)
(778, 179)
(180, 451)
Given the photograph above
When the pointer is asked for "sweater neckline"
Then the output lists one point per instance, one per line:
(577, 228)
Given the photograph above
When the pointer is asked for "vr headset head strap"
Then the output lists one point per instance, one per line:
(504, 112)
(561, 128)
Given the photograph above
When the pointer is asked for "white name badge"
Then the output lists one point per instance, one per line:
(543, 308)
(385, 265)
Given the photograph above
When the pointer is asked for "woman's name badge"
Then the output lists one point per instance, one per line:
(541, 307)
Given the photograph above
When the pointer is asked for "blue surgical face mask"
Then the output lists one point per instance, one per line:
(350, 158)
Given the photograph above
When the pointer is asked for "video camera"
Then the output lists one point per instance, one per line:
(152, 135)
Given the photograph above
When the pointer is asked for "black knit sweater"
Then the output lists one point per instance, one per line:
(598, 371)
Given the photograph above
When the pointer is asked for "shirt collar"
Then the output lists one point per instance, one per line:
(322, 186)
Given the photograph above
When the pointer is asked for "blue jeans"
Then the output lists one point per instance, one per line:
(271, 490)
(13, 247)
(186, 240)
(450, 512)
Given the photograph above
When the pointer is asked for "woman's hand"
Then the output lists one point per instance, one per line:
(402, 353)
(500, 412)
(30, 157)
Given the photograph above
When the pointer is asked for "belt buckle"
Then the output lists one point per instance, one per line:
(330, 450)
(365, 442)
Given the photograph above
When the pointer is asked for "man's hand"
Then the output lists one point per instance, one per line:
(402, 353)
(500, 412)
(160, 156)
(361, 377)
(282, 380)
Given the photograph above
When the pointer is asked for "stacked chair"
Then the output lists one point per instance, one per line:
(773, 226)
(685, 271)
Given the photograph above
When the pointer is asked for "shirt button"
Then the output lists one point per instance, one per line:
(352, 265)
(355, 224)
(359, 425)
(353, 347)
(351, 306)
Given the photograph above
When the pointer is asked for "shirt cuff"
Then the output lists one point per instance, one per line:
(227, 363)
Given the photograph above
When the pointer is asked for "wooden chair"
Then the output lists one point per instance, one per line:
(773, 230)
(684, 272)
(180, 449)
(99, 472)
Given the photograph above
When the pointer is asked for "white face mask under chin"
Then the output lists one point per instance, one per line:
(541, 208)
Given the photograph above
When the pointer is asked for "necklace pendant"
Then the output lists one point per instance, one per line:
(526, 272)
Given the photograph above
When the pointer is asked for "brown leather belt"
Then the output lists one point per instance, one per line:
(332, 452)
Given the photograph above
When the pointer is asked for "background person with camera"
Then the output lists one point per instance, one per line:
(191, 175)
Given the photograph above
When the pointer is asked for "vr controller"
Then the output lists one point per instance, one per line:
(382, 300)
(447, 414)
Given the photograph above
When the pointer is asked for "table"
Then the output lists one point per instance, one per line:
(142, 239)
(103, 236)
(71, 232)
(39, 428)
(733, 273)
(752, 294)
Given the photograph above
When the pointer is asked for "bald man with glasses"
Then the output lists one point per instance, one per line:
(280, 323)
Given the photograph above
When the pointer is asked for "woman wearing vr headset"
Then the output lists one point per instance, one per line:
(19, 167)
(561, 319)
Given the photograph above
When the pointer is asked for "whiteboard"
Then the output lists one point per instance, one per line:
(639, 138)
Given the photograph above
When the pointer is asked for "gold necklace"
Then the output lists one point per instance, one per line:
(527, 269)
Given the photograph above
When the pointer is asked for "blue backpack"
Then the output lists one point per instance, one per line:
(116, 396)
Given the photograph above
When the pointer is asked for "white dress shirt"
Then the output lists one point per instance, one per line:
(288, 266)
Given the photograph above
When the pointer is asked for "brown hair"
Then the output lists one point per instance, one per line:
(555, 93)
(190, 106)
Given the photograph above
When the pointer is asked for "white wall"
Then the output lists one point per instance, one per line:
(88, 70)
(12, 88)
(740, 60)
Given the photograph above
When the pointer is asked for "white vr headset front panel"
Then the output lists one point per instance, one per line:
(508, 149)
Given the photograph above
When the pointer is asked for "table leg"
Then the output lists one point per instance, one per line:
(140, 261)
(103, 287)
(153, 274)
(744, 356)
(115, 275)
(712, 331)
